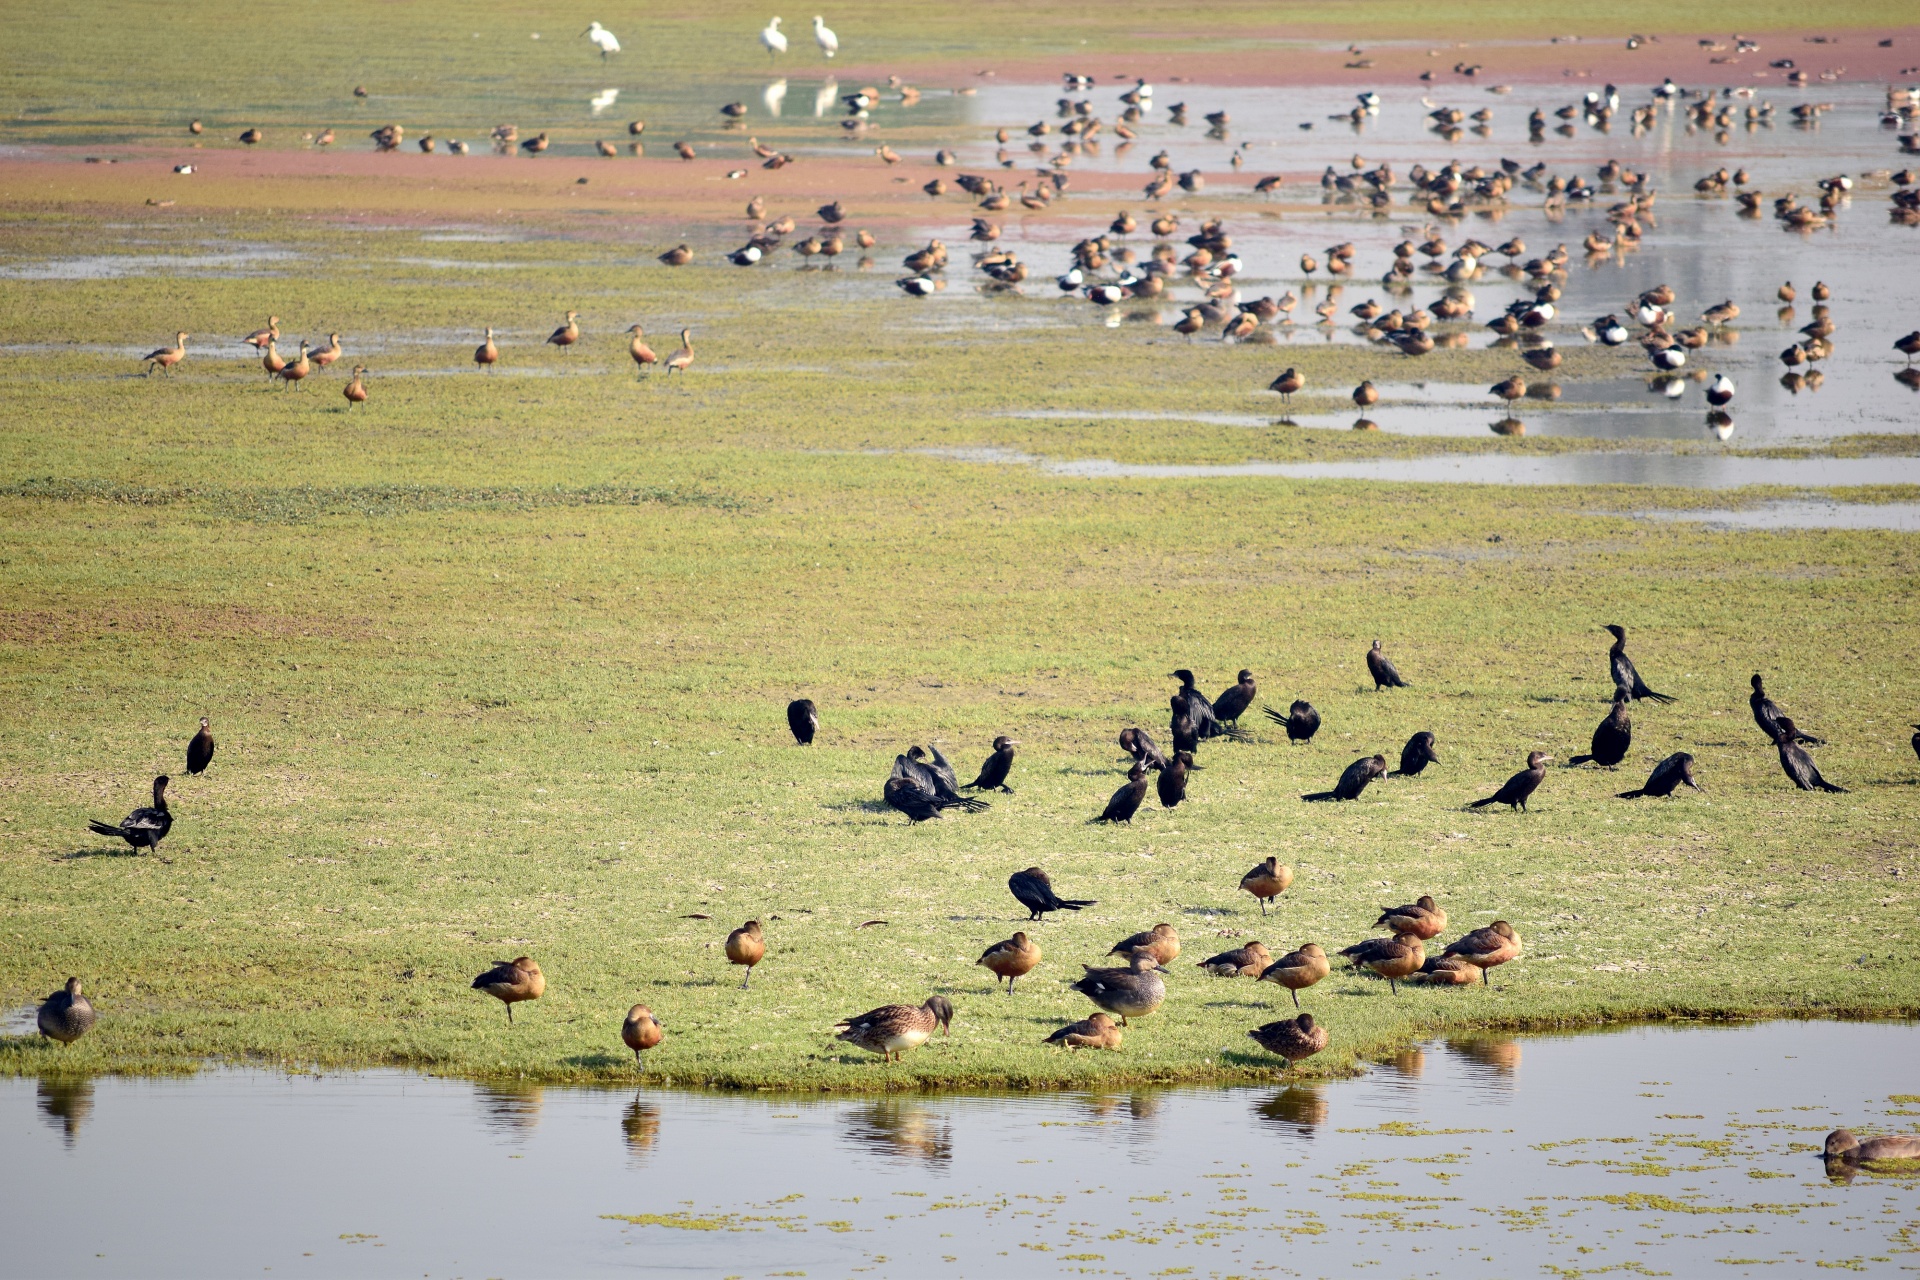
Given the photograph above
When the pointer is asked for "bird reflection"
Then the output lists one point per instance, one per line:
(513, 1110)
(1500, 1055)
(825, 96)
(641, 1123)
(1908, 378)
(1508, 427)
(65, 1104)
(773, 95)
(1298, 1107)
(1411, 1062)
(903, 1129)
(1720, 424)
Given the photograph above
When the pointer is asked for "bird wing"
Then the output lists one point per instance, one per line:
(943, 770)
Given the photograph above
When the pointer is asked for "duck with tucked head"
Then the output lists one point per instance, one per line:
(511, 981)
(1162, 942)
(1298, 969)
(1484, 948)
(1391, 958)
(892, 1029)
(748, 946)
(1096, 1032)
(1423, 918)
(640, 1032)
(1291, 1039)
(1249, 961)
(1013, 958)
(66, 1015)
(1133, 992)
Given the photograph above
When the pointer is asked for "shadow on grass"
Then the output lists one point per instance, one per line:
(859, 806)
(1255, 1061)
(598, 1060)
(128, 852)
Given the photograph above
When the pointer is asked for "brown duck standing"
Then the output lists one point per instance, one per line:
(1391, 958)
(1298, 970)
(1267, 881)
(1484, 948)
(356, 389)
(643, 357)
(511, 981)
(164, 358)
(1423, 918)
(567, 334)
(1016, 957)
(1249, 961)
(487, 354)
(746, 945)
(640, 1032)
(1291, 1039)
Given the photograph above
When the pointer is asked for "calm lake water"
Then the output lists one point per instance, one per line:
(1688, 1150)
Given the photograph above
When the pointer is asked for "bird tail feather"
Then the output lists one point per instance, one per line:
(1574, 760)
(1824, 785)
(1481, 804)
(1321, 795)
(102, 829)
(1074, 904)
(1634, 794)
(1661, 698)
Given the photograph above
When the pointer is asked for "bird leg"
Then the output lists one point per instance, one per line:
(1393, 987)
(1296, 997)
(509, 1005)
(749, 978)
(1483, 978)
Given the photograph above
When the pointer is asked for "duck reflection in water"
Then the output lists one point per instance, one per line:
(1129, 1106)
(1411, 1062)
(1299, 1107)
(640, 1122)
(66, 1104)
(903, 1129)
(1500, 1055)
(509, 1109)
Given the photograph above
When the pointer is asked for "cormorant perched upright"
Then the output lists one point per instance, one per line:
(1184, 727)
(1612, 736)
(1035, 892)
(1233, 703)
(200, 750)
(1624, 675)
(1416, 755)
(917, 791)
(1668, 774)
(1206, 722)
(143, 828)
(1172, 782)
(1385, 674)
(1301, 720)
(1353, 781)
(804, 719)
(1127, 800)
(1795, 761)
(1137, 744)
(993, 774)
(1514, 792)
(1767, 714)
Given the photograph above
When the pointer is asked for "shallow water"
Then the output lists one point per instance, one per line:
(1679, 1150)
(1903, 516)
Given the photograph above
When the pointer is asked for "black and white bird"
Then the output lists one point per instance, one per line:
(1720, 391)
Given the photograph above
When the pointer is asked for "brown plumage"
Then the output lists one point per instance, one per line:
(643, 357)
(1016, 957)
(1162, 942)
(1096, 1032)
(292, 371)
(356, 390)
(325, 356)
(748, 946)
(1298, 969)
(1249, 961)
(1484, 948)
(1391, 958)
(1365, 395)
(678, 256)
(567, 334)
(1267, 881)
(1291, 1039)
(511, 981)
(1841, 1144)
(164, 358)
(679, 360)
(1423, 918)
(259, 338)
(1444, 971)
(893, 1029)
(640, 1032)
(1286, 384)
(486, 354)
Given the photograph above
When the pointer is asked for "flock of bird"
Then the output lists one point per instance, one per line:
(923, 785)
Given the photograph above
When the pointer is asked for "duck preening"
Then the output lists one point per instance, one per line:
(1622, 668)
(746, 946)
(1162, 942)
(1298, 969)
(1013, 958)
(144, 828)
(511, 981)
(1354, 780)
(1666, 776)
(804, 719)
(1133, 992)
(1095, 1032)
(1392, 958)
(993, 773)
(1611, 737)
(1484, 948)
(200, 748)
(1416, 756)
(1249, 961)
(1034, 891)
(1127, 800)
(1422, 918)
(66, 1015)
(1137, 744)
(1385, 674)
(1795, 762)
(892, 1029)
(1767, 714)
(1267, 881)
(1291, 1039)
(640, 1032)
(1514, 791)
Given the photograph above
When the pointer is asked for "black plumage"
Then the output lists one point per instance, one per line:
(1035, 892)
(993, 773)
(200, 749)
(1612, 736)
(1416, 755)
(1767, 714)
(1137, 744)
(1916, 740)
(1668, 774)
(1184, 728)
(1172, 782)
(1625, 677)
(1301, 720)
(917, 791)
(1233, 703)
(1353, 781)
(1385, 674)
(143, 828)
(1127, 800)
(1514, 792)
(940, 767)
(1206, 721)
(804, 719)
(1796, 763)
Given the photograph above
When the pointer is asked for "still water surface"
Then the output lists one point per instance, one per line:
(1658, 1150)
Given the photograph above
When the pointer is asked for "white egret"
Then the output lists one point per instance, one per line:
(774, 39)
(602, 38)
(823, 36)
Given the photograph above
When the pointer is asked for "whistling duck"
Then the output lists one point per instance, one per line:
(356, 389)
(272, 361)
(1842, 1145)
(1511, 389)
(1249, 961)
(678, 256)
(1291, 1040)
(1267, 881)
(1484, 948)
(748, 946)
(1514, 792)
(679, 360)
(1365, 395)
(325, 356)
(1096, 1032)
(486, 354)
(893, 1029)
(511, 981)
(1298, 970)
(1034, 891)
(567, 334)
(259, 338)
(66, 1015)
(535, 145)
(164, 358)
(1286, 384)
(1423, 918)
(292, 371)
(1820, 291)
(1016, 957)
(1133, 992)
(640, 1032)
(1162, 942)
(643, 357)
(1391, 958)
(144, 828)
(1444, 971)
(200, 749)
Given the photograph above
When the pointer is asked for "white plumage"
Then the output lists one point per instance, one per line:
(602, 38)
(773, 39)
(823, 36)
